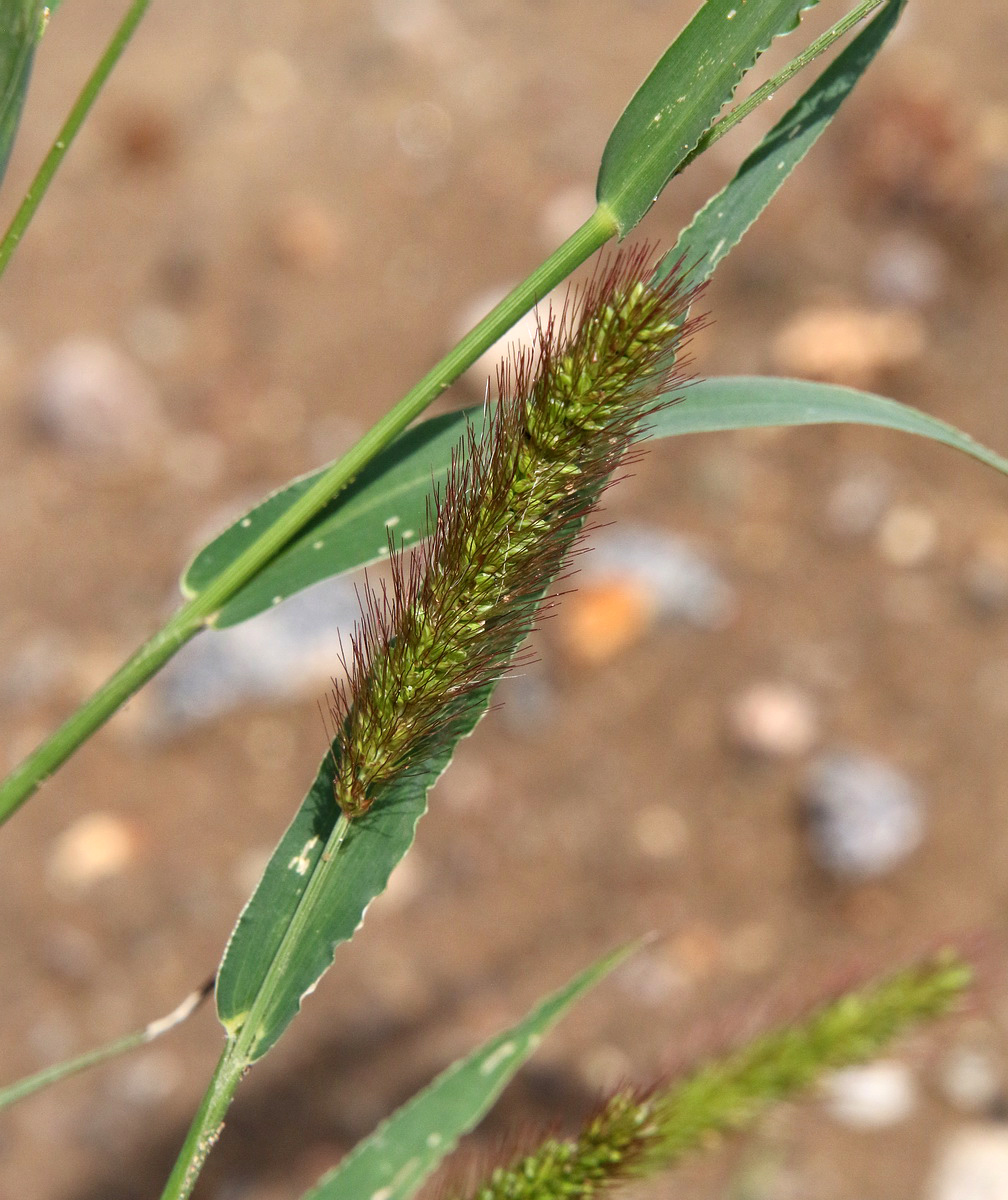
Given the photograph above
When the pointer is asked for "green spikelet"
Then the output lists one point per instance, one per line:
(513, 504)
(636, 1134)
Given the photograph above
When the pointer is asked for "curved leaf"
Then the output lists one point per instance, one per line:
(680, 99)
(754, 401)
(390, 494)
(404, 1150)
(319, 895)
(720, 225)
(21, 24)
(399, 481)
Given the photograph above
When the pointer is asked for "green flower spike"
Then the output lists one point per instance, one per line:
(640, 1133)
(513, 505)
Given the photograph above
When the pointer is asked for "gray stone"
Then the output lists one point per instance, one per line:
(858, 502)
(684, 584)
(908, 269)
(865, 817)
(281, 654)
(87, 397)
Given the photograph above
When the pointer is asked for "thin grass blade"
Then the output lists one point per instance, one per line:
(21, 25)
(720, 225)
(758, 401)
(13, 1092)
(680, 99)
(407, 1148)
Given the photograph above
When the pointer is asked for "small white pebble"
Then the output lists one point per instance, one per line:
(774, 720)
(907, 536)
(972, 1165)
(907, 269)
(96, 847)
(874, 1096)
(970, 1080)
(89, 398)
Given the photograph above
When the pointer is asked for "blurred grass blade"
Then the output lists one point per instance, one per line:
(719, 226)
(404, 1150)
(303, 908)
(680, 99)
(69, 129)
(21, 25)
(353, 527)
(93, 1058)
(755, 401)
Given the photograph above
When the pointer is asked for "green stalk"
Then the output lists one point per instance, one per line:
(71, 125)
(239, 1053)
(206, 1126)
(24, 780)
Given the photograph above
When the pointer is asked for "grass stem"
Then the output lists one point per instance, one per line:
(57, 151)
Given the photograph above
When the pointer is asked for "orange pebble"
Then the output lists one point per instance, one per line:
(602, 619)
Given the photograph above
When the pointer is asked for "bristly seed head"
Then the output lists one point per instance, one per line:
(637, 1133)
(513, 504)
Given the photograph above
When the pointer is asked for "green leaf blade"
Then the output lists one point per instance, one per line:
(323, 898)
(711, 405)
(682, 96)
(391, 493)
(720, 225)
(757, 401)
(21, 24)
(404, 1150)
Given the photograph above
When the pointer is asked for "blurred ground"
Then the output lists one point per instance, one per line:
(279, 216)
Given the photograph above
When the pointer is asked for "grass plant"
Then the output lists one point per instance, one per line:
(502, 494)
